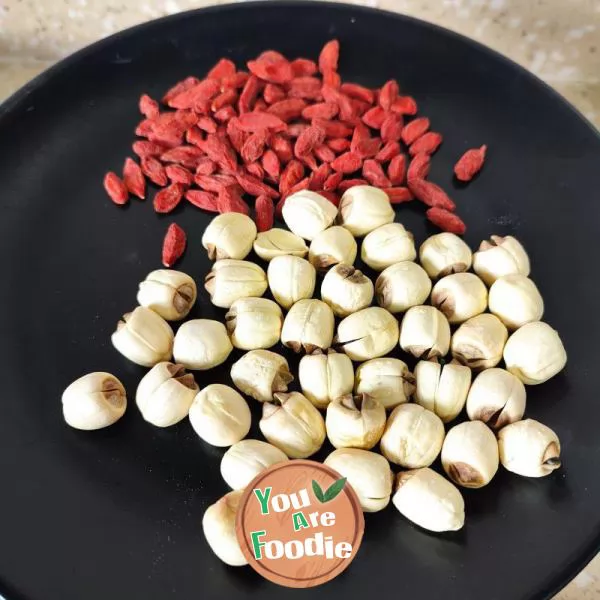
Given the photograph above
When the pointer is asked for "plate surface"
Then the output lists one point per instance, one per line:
(116, 513)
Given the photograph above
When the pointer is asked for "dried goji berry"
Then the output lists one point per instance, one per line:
(273, 93)
(271, 164)
(264, 213)
(427, 144)
(414, 130)
(254, 146)
(249, 94)
(388, 152)
(359, 107)
(207, 124)
(332, 79)
(260, 105)
(203, 200)
(367, 148)
(329, 56)
(201, 92)
(418, 167)
(184, 155)
(178, 88)
(179, 174)
(319, 176)
(184, 119)
(301, 185)
(223, 68)
(143, 148)
(348, 183)
(235, 82)
(431, 194)
(254, 186)
(287, 110)
(358, 91)
(307, 88)
(324, 153)
(391, 128)
(255, 169)
(168, 198)
(310, 161)
(333, 181)
(344, 103)
(255, 121)
(173, 245)
(374, 117)
(303, 67)
(388, 94)
(309, 139)
(235, 134)
(296, 129)
(194, 136)
(148, 107)
(214, 183)
(226, 98)
(229, 200)
(333, 129)
(398, 195)
(470, 163)
(321, 110)
(205, 166)
(133, 178)
(291, 175)
(115, 188)
(144, 128)
(347, 163)
(219, 151)
(270, 56)
(447, 221)
(373, 173)
(223, 115)
(405, 105)
(167, 139)
(279, 71)
(154, 170)
(339, 144)
(361, 132)
(397, 169)
(282, 147)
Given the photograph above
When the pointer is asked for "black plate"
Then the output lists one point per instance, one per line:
(116, 513)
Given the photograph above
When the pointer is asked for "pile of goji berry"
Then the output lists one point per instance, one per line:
(280, 127)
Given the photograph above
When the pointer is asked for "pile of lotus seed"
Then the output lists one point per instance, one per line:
(472, 322)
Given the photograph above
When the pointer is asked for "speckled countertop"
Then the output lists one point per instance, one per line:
(558, 40)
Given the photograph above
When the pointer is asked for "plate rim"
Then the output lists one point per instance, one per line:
(588, 551)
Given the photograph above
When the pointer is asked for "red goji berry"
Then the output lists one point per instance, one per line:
(388, 152)
(254, 146)
(229, 200)
(296, 129)
(254, 186)
(306, 88)
(334, 129)
(270, 56)
(287, 110)
(431, 194)
(398, 195)
(154, 170)
(418, 167)
(179, 174)
(391, 128)
(282, 147)
(374, 117)
(279, 71)
(339, 144)
(226, 98)
(397, 169)
(148, 107)
(303, 67)
(207, 124)
(214, 183)
(115, 188)
(178, 88)
(446, 220)
(367, 148)
(333, 181)
(329, 56)
(347, 163)
(360, 107)
(470, 163)
(168, 198)
(332, 79)
(144, 128)
(310, 161)
(203, 200)
(319, 176)
(219, 151)
(309, 139)
(374, 174)
(235, 134)
(346, 108)
(205, 166)
(404, 105)
(223, 115)
(250, 91)
(427, 144)
(184, 155)
(324, 153)
(204, 91)
(194, 136)
(235, 82)
(223, 68)
(173, 245)
(273, 93)
(321, 110)
(414, 130)
(255, 121)
(133, 178)
(264, 213)
(291, 175)
(143, 148)
(271, 164)
(255, 169)
(388, 94)
(358, 92)
(346, 184)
